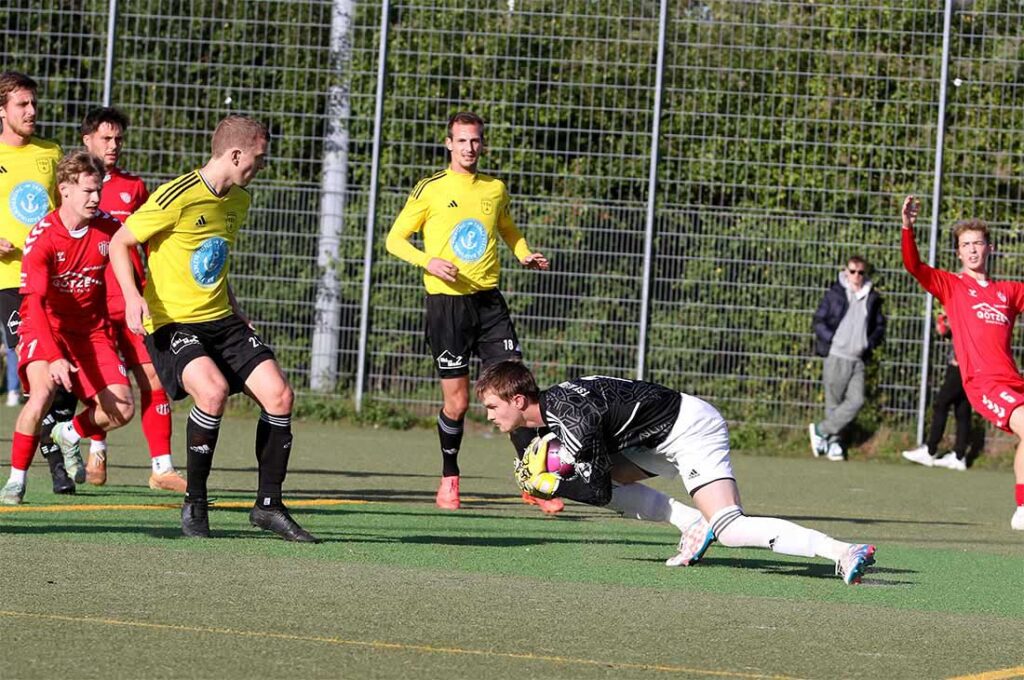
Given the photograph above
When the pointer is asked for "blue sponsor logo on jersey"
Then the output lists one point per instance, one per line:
(469, 240)
(208, 261)
(29, 202)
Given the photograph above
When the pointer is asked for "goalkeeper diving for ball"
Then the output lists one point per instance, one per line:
(616, 432)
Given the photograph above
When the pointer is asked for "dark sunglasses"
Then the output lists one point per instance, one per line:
(859, 272)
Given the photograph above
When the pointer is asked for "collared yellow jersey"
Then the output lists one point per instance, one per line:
(461, 216)
(28, 191)
(189, 231)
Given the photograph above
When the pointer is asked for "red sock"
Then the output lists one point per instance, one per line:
(100, 437)
(1019, 492)
(84, 424)
(23, 447)
(156, 422)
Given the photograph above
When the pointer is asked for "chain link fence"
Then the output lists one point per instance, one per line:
(696, 171)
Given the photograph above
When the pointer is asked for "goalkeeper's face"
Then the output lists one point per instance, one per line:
(507, 415)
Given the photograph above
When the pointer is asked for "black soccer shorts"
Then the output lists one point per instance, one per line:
(458, 326)
(10, 315)
(234, 348)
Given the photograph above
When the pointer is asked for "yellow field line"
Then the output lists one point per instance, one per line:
(171, 506)
(1001, 674)
(396, 646)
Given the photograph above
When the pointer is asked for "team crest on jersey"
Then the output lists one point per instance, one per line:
(487, 206)
(29, 202)
(208, 260)
(1001, 296)
(231, 221)
(45, 165)
(104, 247)
(125, 196)
(469, 240)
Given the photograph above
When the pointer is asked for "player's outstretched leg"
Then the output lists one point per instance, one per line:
(719, 501)
(201, 433)
(273, 448)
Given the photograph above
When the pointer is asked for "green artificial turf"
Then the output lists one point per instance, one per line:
(400, 589)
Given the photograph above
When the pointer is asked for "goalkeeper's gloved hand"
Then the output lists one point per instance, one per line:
(532, 474)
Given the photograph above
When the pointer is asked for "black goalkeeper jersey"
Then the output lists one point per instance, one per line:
(597, 416)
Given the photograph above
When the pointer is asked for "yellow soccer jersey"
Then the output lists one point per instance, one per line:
(28, 191)
(189, 231)
(461, 216)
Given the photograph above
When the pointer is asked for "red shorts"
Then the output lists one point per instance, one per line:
(92, 352)
(132, 347)
(996, 397)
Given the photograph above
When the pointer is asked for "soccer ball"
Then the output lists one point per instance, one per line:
(555, 463)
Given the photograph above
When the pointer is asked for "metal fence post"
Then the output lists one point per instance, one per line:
(323, 368)
(108, 62)
(371, 209)
(652, 187)
(940, 135)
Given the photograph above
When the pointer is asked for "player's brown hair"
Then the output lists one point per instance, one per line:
(970, 225)
(104, 114)
(238, 132)
(465, 118)
(15, 80)
(506, 379)
(78, 163)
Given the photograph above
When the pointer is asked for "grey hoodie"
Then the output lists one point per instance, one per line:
(851, 338)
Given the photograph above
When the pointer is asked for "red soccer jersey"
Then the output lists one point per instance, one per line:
(122, 195)
(981, 315)
(65, 270)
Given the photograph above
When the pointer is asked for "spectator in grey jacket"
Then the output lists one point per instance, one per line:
(847, 326)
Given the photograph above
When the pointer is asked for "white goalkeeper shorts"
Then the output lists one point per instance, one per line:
(696, 450)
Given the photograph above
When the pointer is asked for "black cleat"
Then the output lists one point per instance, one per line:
(62, 484)
(276, 518)
(195, 518)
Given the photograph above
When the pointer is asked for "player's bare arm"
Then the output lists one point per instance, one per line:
(237, 308)
(443, 269)
(911, 207)
(135, 307)
(6, 247)
(535, 261)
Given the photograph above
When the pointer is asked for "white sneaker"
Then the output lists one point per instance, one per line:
(819, 444)
(835, 452)
(1017, 521)
(12, 493)
(13, 398)
(950, 462)
(920, 456)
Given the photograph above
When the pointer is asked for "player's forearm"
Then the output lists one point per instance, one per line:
(121, 262)
(399, 246)
(514, 239)
(595, 492)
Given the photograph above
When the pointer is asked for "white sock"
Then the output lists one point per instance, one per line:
(97, 446)
(17, 476)
(736, 530)
(162, 464)
(639, 501)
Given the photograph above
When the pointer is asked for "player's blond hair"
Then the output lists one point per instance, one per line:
(15, 80)
(238, 132)
(970, 225)
(76, 164)
(506, 379)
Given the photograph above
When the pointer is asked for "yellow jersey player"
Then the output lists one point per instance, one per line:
(28, 192)
(200, 341)
(461, 213)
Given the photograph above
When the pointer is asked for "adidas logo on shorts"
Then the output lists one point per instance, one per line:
(693, 474)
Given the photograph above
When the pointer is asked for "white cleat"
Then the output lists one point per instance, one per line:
(1017, 521)
(68, 444)
(950, 462)
(12, 493)
(920, 456)
(694, 542)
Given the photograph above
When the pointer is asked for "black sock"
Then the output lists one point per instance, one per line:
(449, 432)
(201, 434)
(61, 410)
(273, 447)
